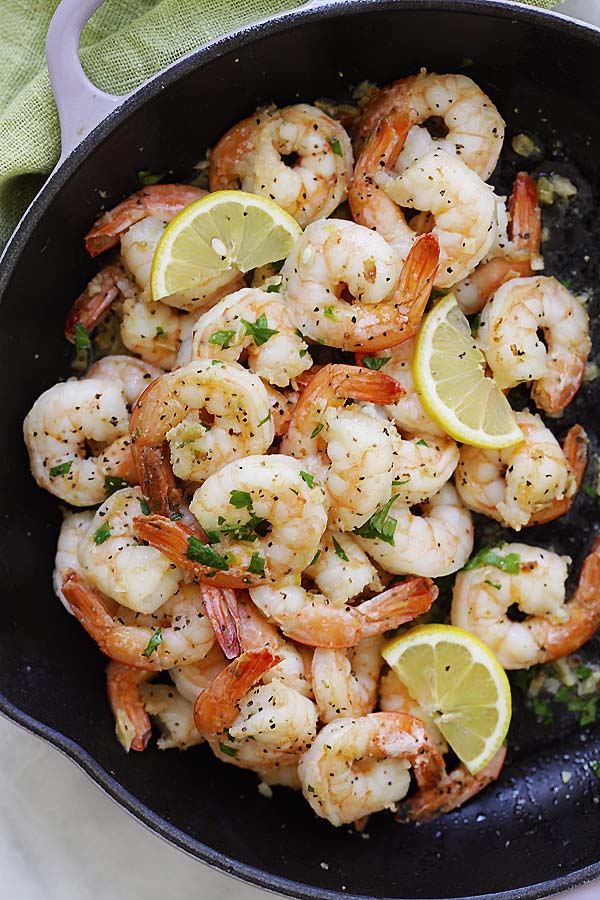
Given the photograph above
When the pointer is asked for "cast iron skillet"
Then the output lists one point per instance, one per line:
(526, 837)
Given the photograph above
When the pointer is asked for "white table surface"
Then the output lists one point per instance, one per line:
(61, 838)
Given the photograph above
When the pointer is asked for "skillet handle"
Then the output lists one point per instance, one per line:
(81, 105)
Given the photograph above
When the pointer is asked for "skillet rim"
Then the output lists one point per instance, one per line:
(12, 252)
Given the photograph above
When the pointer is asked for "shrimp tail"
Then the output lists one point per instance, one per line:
(355, 383)
(525, 228)
(584, 606)
(158, 481)
(450, 792)
(94, 301)
(575, 449)
(417, 278)
(401, 603)
(132, 721)
(178, 542)
(216, 708)
(222, 612)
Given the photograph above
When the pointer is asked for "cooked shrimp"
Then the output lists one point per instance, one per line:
(297, 156)
(283, 403)
(437, 542)
(407, 411)
(345, 448)
(132, 725)
(519, 257)
(527, 482)
(451, 791)
(553, 627)
(62, 427)
(151, 330)
(160, 201)
(254, 725)
(508, 335)
(134, 375)
(209, 414)
(72, 530)
(475, 127)
(422, 465)
(341, 569)
(95, 300)
(311, 618)
(173, 714)
(263, 515)
(356, 767)
(176, 634)
(345, 681)
(114, 561)
(256, 324)
(348, 289)
(463, 207)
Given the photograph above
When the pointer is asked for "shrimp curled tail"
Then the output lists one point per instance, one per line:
(94, 301)
(451, 791)
(222, 613)
(131, 719)
(575, 449)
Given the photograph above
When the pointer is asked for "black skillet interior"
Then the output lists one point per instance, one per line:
(531, 828)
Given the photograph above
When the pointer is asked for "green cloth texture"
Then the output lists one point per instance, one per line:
(124, 43)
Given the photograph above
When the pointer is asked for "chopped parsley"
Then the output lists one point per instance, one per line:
(317, 430)
(153, 643)
(266, 419)
(146, 177)
(240, 499)
(375, 362)
(311, 789)
(257, 564)
(493, 584)
(488, 557)
(329, 313)
(204, 554)
(214, 537)
(112, 484)
(339, 551)
(102, 534)
(61, 469)
(566, 282)
(308, 478)
(145, 507)
(259, 330)
(227, 750)
(315, 558)
(274, 289)
(222, 338)
(594, 765)
(575, 699)
(336, 146)
(398, 483)
(245, 531)
(159, 331)
(278, 265)
(380, 526)
(475, 323)
(82, 338)
(422, 443)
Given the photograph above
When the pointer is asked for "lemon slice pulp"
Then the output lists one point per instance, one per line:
(459, 682)
(226, 231)
(449, 373)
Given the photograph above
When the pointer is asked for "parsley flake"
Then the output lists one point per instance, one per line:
(204, 554)
(317, 430)
(274, 289)
(493, 584)
(145, 507)
(227, 750)
(336, 146)
(259, 330)
(308, 478)
(222, 338)
(422, 443)
(146, 177)
(329, 313)
(102, 534)
(62, 469)
(257, 564)
(153, 643)
(82, 338)
(375, 362)
(339, 551)
(380, 526)
(240, 499)
(475, 323)
(594, 765)
(488, 557)
(112, 484)
(315, 558)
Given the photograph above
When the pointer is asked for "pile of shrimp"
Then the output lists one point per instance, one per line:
(248, 510)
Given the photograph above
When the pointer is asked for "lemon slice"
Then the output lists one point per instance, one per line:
(449, 373)
(459, 682)
(223, 232)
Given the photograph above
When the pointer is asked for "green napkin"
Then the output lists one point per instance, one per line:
(124, 43)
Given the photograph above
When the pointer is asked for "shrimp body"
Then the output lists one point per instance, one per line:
(74, 527)
(311, 618)
(113, 560)
(358, 766)
(349, 289)
(508, 336)
(190, 680)
(132, 725)
(255, 323)
(518, 486)
(151, 330)
(208, 414)
(58, 428)
(345, 681)
(173, 714)
(348, 450)
(266, 516)
(297, 156)
(178, 633)
(134, 375)
(342, 570)
(553, 627)
(252, 725)
(422, 465)
(475, 127)
(437, 542)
